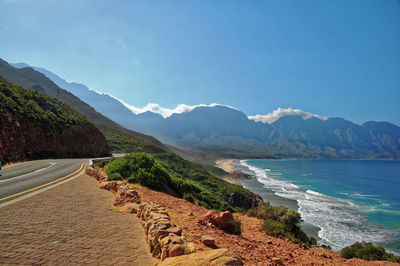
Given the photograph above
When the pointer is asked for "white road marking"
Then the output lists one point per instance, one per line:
(36, 171)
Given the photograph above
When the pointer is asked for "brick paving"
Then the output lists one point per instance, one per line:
(73, 223)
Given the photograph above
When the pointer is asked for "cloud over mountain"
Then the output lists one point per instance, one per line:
(280, 112)
(166, 112)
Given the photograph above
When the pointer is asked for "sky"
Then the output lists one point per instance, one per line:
(336, 58)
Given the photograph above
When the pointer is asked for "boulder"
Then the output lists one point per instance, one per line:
(124, 196)
(208, 240)
(129, 208)
(211, 257)
(157, 251)
(219, 219)
(175, 230)
(176, 250)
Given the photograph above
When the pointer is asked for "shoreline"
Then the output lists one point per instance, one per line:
(226, 165)
(266, 194)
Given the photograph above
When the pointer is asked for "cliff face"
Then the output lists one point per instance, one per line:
(34, 126)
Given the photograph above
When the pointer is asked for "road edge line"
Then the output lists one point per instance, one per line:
(44, 187)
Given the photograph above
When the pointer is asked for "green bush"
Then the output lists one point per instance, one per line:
(274, 228)
(234, 227)
(114, 176)
(367, 251)
(189, 197)
(140, 168)
(281, 222)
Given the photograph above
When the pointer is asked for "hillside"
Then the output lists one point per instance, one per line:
(31, 79)
(35, 126)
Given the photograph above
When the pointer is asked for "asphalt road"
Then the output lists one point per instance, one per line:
(21, 179)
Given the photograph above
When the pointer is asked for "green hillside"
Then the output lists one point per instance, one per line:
(37, 126)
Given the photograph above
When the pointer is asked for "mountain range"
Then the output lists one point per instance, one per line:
(230, 132)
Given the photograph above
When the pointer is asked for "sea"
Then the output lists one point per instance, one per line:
(347, 201)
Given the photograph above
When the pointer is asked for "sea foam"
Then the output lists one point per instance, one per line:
(341, 221)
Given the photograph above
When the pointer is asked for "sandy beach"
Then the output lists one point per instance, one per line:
(226, 165)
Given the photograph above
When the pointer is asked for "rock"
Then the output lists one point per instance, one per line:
(157, 251)
(176, 250)
(112, 186)
(103, 185)
(208, 240)
(276, 260)
(164, 254)
(124, 196)
(129, 208)
(190, 248)
(175, 230)
(165, 241)
(223, 218)
(175, 239)
(211, 257)
(160, 233)
(219, 219)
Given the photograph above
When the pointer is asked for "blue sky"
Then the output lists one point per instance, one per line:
(333, 58)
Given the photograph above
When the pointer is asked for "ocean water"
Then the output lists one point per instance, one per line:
(347, 200)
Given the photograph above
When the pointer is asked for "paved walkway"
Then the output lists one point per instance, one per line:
(73, 223)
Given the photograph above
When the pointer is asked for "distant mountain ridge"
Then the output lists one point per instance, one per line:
(229, 131)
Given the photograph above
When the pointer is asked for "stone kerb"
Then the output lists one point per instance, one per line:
(164, 238)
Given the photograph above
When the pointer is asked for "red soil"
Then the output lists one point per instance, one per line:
(252, 247)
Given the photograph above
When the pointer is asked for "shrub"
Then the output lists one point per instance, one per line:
(281, 222)
(367, 251)
(274, 228)
(141, 168)
(114, 176)
(189, 197)
(234, 227)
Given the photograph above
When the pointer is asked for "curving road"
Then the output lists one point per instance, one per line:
(22, 179)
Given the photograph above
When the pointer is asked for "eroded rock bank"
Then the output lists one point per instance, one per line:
(34, 126)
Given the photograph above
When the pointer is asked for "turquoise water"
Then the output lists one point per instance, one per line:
(348, 200)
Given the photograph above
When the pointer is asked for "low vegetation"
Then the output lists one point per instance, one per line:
(234, 227)
(121, 142)
(367, 251)
(210, 191)
(38, 107)
(281, 222)
(172, 174)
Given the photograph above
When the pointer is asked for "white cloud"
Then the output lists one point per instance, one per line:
(280, 112)
(165, 112)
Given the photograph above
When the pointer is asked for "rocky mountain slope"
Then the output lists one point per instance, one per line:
(35, 126)
(229, 132)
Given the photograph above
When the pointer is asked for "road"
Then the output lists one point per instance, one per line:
(22, 179)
